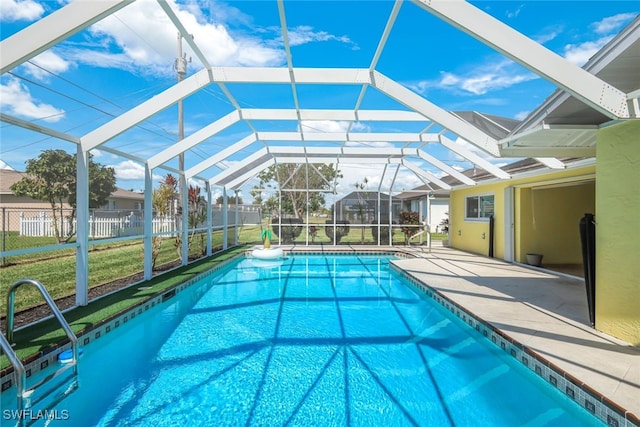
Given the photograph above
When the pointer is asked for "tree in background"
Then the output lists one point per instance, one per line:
(51, 177)
(197, 214)
(409, 221)
(363, 196)
(293, 178)
(230, 200)
(163, 200)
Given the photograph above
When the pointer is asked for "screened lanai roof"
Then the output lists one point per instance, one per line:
(241, 115)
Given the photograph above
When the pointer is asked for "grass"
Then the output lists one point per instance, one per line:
(356, 236)
(109, 261)
(120, 259)
(106, 262)
(37, 338)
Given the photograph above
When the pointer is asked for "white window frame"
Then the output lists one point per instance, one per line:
(478, 218)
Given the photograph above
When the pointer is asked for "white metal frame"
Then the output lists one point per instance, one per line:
(450, 130)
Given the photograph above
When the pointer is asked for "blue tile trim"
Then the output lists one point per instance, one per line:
(594, 402)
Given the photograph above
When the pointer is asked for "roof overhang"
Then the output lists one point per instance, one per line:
(552, 141)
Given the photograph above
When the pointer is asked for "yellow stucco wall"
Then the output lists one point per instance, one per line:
(552, 223)
(468, 235)
(618, 231)
(546, 220)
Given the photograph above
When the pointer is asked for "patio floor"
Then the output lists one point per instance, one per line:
(544, 311)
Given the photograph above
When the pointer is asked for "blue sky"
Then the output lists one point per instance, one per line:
(128, 57)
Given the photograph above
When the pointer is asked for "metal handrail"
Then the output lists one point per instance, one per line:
(18, 368)
(6, 343)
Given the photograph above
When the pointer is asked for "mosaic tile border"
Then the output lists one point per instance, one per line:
(400, 252)
(49, 356)
(593, 401)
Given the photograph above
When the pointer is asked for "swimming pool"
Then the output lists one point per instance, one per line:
(311, 340)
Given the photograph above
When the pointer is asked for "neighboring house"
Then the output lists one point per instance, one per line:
(432, 205)
(362, 207)
(537, 210)
(122, 200)
(13, 208)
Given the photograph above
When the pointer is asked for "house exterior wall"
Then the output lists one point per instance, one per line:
(439, 211)
(618, 231)
(560, 215)
(549, 221)
(122, 204)
(468, 235)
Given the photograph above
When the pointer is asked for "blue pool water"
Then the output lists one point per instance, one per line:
(312, 340)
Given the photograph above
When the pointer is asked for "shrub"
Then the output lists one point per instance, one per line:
(409, 219)
(342, 229)
(290, 230)
(384, 232)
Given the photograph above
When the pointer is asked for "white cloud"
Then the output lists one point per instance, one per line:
(332, 126)
(17, 99)
(480, 80)
(548, 34)
(514, 14)
(129, 170)
(356, 173)
(612, 23)
(141, 38)
(49, 61)
(522, 115)
(20, 10)
(579, 54)
(324, 126)
(304, 34)
(143, 35)
(5, 166)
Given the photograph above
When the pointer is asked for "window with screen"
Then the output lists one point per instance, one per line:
(479, 207)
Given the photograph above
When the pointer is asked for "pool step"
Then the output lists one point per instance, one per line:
(25, 396)
(44, 396)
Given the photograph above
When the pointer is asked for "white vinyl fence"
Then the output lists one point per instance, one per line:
(41, 225)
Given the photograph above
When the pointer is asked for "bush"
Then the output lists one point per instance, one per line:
(384, 232)
(290, 230)
(342, 229)
(410, 219)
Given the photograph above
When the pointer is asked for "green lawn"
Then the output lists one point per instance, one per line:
(109, 261)
(35, 338)
(56, 270)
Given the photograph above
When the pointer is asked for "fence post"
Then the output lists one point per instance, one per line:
(4, 232)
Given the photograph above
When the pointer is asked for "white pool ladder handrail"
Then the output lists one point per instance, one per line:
(5, 343)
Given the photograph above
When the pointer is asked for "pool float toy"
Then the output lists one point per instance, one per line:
(261, 252)
(266, 251)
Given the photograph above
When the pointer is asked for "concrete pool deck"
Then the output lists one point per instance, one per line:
(541, 310)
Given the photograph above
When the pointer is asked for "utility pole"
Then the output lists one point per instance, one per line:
(181, 68)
